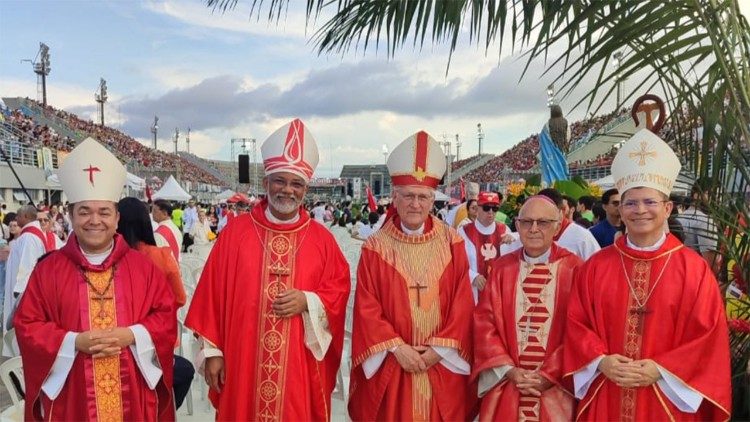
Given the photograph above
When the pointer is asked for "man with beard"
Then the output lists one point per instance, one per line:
(270, 304)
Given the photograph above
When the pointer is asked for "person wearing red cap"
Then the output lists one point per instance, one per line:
(271, 301)
(411, 338)
(483, 239)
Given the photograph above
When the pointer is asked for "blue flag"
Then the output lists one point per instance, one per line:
(554, 167)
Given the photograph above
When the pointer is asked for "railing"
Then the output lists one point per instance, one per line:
(18, 154)
(591, 173)
(584, 140)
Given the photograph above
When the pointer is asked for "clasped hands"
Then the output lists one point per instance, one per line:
(416, 359)
(530, 383)
(629, 373)
(103, 343)
(289, 303)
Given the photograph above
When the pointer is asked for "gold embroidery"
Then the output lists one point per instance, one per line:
(103, 315)
(642, 154)
(640, 276)
(278, 276)
(386, 345)
(421, 264)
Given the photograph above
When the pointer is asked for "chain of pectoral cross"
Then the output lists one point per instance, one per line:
(101, 296)
(640, 309)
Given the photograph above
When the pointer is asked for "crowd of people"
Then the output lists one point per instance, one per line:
(128, 148)
(36, 135)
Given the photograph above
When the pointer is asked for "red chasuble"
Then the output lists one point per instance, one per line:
(413, 290)
(58, 299)
(270, 373)
(682, 328)
(496, 342)
(482, 241)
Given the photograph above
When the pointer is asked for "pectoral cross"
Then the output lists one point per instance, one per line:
(279, 270)
(641, 312)
(418, 287)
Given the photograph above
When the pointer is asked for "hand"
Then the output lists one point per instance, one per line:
(409, 359)
(528, 382)
(290, 303)
(98, 343)
(429, 355)
(648, 374)
(480, 282)
(4, 252)
(124, 336)
(619, 369)
(214, 373)
(508, 239)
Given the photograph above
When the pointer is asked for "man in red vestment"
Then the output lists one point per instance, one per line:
(271, 302)
(411, 339)
(483, 239)
(520, 320)
(647, 336)
(96, 325)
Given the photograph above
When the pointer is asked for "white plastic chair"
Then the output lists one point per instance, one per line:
(10, 345)
(15, 367)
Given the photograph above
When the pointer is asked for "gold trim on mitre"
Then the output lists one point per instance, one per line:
(645, 160)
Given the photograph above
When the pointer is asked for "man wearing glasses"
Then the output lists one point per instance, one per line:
(519, 323)
(647, 337)
(604, 231)
(483, 239)
(411, 338)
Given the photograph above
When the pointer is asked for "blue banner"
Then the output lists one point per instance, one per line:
(554, 167)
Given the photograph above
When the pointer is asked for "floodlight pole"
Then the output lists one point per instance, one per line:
(101, 98)
(155, 128)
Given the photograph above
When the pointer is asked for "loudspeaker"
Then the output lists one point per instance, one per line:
(350, 188)
(244, 168)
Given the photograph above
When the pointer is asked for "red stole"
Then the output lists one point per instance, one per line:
(481, 241)
(496, 342)
(563, 226)
(271, 374)
(47, 238)
(58, 299)
(411, 290)
(684, 314)
(168, 235)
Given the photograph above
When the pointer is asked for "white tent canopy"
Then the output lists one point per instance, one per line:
(225, 195)
(607, 182)
(172, 191)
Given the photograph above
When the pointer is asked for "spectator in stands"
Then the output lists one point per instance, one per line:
(604, 231)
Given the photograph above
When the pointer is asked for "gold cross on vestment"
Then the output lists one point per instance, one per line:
(640, 312)
(418, 287)
(642, 154)
(279, 270)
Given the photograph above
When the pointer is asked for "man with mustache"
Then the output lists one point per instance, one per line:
(270, 304)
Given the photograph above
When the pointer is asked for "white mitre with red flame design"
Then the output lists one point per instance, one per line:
(417, 161)
(292, 149)
(92, 173)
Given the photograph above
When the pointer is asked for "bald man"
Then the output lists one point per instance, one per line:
(24, 253)
(519, 323)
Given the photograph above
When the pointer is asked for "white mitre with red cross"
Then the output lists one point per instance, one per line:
(292, 149)
(417, 161)
(645, 160)
(92, 173)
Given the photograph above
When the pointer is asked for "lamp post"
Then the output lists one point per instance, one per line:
(618, 61)
(101, 98)
(155, 128)
(176, 138)
(480, 137)
(448, 160)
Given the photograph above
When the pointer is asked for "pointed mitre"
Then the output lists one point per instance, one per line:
(292, 149)
(417, 161)
(92, 173)
(645, 160)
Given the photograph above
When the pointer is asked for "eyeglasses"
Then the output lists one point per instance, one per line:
(421, 198)
(488, 208)
(633, 204)
(527, 224)
(43, 220)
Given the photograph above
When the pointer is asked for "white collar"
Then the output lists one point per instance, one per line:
(275, 220)
(651, 248)
(33, 223)
(410, 232)
(541, 259)
(97, 258)
(486, 230)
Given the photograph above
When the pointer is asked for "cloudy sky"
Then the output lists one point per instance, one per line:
(228, 76)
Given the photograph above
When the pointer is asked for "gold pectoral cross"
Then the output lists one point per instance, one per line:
(279, 270)
(641, 312)
(418, 288)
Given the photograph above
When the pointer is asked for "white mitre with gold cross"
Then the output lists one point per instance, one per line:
(645, 160)
(92, 173)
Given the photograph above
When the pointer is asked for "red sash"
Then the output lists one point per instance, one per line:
(167, 234)
(48, 239)
(479, 240)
